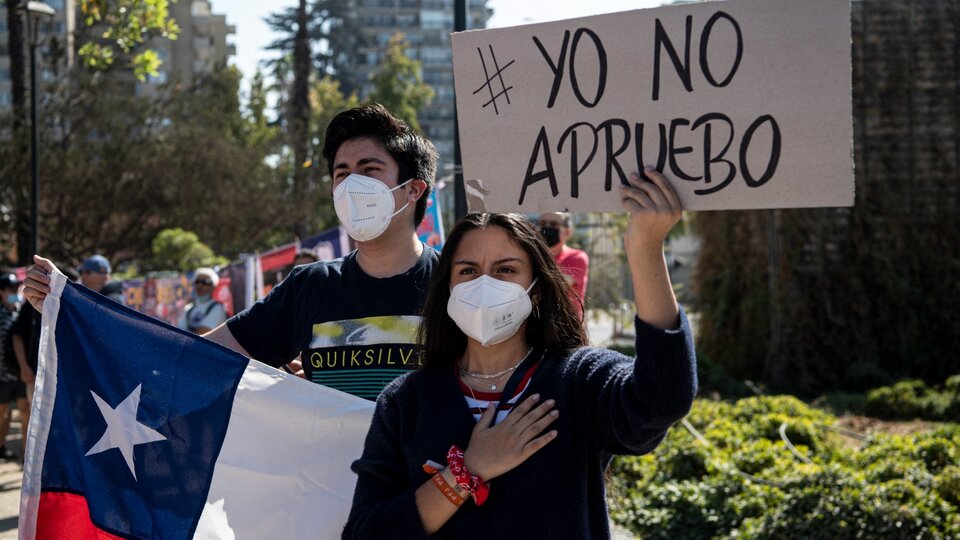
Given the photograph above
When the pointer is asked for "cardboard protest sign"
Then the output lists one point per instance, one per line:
(741, 103)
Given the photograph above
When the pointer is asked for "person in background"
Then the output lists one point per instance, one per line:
(305, 256)
(11, 387)
(557, 228)
(204, 313)
(95, 272)
(113, 290)
(25, 336)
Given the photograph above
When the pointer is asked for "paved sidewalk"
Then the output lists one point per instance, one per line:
(11, 473)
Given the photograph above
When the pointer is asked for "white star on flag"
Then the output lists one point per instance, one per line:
(123, 430)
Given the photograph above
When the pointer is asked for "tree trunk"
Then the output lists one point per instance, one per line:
(300, 120)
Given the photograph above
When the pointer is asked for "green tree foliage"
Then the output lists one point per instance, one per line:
(813, 300)
(326, 101)
(177, 249)
(906, 400)
(731, 282)
(122, 28)
(748, 484)
(119, 168)
(331, 34)
(316, 40)
(334, 33)
(398, 83)
(260, 132)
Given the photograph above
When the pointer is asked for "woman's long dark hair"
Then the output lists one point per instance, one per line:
(554, 324)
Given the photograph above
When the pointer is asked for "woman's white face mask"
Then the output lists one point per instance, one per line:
(365, 206)
(489, 310)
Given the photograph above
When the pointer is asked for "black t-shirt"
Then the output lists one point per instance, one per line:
(355, 333)
(27, 327)
(9, 368)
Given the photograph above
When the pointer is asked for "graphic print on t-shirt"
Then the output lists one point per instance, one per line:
(361, 356)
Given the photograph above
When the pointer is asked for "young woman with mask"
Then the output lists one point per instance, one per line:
(509, 426)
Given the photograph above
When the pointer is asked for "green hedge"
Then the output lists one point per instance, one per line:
(906, 400)
(748, 485)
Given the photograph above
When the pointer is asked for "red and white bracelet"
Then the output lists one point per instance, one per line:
(465, 480)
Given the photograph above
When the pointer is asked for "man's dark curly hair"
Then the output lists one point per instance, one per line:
(415, 155)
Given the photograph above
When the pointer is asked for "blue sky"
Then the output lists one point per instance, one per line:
(252, 34)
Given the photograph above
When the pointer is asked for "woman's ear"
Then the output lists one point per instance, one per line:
(535, 295)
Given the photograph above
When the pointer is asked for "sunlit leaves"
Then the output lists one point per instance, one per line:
(398, 83)
(128, 26)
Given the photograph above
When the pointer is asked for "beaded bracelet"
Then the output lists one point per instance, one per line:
(465, 480)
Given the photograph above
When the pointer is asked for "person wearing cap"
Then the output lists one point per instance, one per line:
(11, 387)
(95, 272)
(204, 313)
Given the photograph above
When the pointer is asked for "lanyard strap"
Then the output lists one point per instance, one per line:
(516, 377)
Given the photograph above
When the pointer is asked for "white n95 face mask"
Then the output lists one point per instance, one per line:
(489, 310)
(364, 206)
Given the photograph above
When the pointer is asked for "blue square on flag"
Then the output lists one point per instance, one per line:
(144, 431)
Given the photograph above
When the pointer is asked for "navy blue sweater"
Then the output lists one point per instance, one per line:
(609, 404)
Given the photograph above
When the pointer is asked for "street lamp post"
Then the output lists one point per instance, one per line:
(36, 12)
(459, 191)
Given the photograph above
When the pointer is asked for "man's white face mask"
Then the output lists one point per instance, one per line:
(489, 310)
(365, 206)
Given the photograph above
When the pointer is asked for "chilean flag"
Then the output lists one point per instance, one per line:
(140, 430)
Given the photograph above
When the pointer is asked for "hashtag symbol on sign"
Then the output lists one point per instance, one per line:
(498, 75)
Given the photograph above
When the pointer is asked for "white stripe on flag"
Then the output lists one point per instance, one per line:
(41, 410)
(284, 469)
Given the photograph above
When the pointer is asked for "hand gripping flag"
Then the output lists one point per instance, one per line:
(141, 430)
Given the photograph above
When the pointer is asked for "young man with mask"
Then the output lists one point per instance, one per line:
(353, 320)
(557, 227)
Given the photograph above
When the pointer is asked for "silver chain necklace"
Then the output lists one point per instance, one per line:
(483, 378)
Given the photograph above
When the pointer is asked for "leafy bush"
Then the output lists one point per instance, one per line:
(747, 484)
(947, 484)
(913, 399)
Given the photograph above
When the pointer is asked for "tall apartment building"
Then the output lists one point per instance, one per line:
(62, 27)
(427, 25)
(201, 45)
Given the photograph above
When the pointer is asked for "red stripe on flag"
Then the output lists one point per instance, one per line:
(66, 515)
